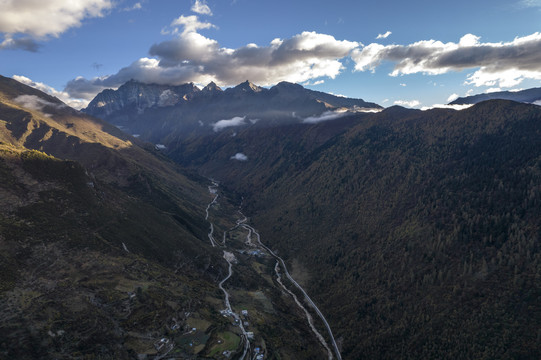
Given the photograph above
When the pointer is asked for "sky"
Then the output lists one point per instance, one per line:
(415, 53)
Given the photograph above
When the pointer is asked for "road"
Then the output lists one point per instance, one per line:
(230, 257)
(307, 298)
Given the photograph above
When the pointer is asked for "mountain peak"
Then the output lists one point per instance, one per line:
(248, 86)
(212, 87)
(288, 85)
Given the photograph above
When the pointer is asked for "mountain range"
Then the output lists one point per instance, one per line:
(414, 232)
(165, 114)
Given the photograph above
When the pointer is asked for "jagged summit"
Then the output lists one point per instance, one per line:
(159, 113)
(247, 86)
(212, 87)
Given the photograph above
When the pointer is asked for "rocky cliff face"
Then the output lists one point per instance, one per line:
(136, 97)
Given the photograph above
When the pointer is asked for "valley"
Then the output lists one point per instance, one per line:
(254, 255)
(415, 232)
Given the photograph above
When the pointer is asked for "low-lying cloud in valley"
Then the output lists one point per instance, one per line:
(34, 102)
(226, 123)
(326, 116)
(407, 103)
(239, 157)
(61, 95)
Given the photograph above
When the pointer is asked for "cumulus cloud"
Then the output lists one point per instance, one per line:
(192, 57)
(326, 116)
(48, 18)
(200, 7)
(408, 103)
(384, 36)
(61, 95)
(504, 64)
(190, 24)
(222, 124)
(239, 157)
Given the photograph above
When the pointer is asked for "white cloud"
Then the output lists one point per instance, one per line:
(61, 95)
(384, 36)
(192, 57)
(339, 95)
(537, 102)
(239, 157)
(34, 102)
(190, 23)
(503, 64)
(444, 106)
(452, 97)
(504, 78)
(327, 115)
(369, 110)
(48, 18)
(200, 7)
(222, 124)
(493, 90)
(408, 103)
(308, 83)
(403, 85)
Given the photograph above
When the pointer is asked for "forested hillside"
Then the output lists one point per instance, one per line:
(418, 231)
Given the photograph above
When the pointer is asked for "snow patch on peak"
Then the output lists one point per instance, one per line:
(168, 98)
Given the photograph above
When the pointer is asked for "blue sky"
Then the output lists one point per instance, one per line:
(427, 52)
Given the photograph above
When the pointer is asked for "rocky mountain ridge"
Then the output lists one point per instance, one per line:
(163, 114)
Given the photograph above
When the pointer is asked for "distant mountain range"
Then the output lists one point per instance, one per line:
(164, 114)
(530, 96)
